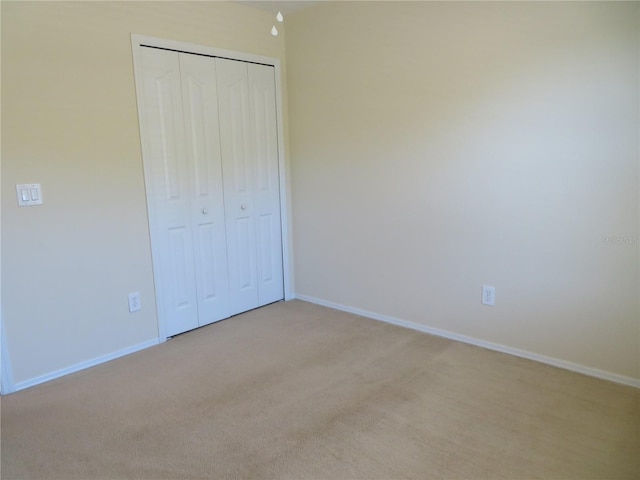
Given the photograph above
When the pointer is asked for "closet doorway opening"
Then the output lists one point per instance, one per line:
(211, 132)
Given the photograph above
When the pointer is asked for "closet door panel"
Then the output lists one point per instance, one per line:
(267, 182)
(238, 180)
(169, 189)
(200, 106)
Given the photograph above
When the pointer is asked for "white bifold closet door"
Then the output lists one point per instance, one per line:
(246, 94)
(211, 162)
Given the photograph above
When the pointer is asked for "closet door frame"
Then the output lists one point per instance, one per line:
(142, 41)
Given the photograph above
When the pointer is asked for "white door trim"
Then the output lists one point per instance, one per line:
(6, 375)
(6, 382)
(137, 42)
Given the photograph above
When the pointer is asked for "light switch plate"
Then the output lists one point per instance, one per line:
(29, 194)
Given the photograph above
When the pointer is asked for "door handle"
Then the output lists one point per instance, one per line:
(243, 206)
(205, 211)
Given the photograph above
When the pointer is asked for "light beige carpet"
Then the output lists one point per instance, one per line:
(299, 391)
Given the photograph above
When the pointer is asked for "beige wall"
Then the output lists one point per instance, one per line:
(437, 147)
(69, 122)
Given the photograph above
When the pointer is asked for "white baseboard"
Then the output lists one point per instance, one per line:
(83, 365)
(592, 372)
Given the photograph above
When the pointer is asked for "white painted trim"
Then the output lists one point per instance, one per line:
(136, 42)
(135, 49)
(84, 365)
(287, 266)
(6, 377)
(6, 381)
(592, 372)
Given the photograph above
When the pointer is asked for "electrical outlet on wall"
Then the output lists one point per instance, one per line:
(134, 302)
(488, 295)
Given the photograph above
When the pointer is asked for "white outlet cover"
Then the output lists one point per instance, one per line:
(488, 295)
(134, 302)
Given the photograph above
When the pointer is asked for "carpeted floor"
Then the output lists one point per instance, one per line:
(299, 391)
